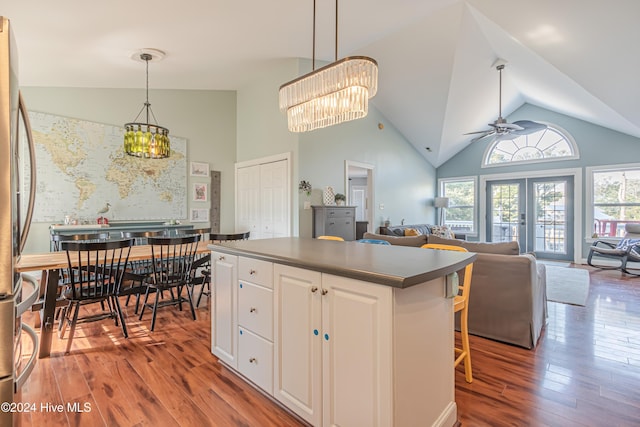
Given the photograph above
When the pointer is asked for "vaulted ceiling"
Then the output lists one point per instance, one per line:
(436, 79)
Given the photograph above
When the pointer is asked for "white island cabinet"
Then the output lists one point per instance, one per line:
(368, 344)
(224, 319)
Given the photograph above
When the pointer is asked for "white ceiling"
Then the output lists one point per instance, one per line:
(436, 80)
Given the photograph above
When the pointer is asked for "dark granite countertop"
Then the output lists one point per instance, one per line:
(397, 266)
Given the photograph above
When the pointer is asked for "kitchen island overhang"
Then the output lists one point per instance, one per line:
(396, 266)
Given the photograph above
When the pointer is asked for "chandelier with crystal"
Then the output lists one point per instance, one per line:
(147, 140)
(336, 93)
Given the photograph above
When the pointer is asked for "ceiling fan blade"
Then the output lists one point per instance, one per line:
(484, 135)
(511, 126)
(480, 131)
(528, 127)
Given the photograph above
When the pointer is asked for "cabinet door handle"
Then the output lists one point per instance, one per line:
(314, 289)
(252, 360)
(252, 310)
(324, 292)
(252, 272)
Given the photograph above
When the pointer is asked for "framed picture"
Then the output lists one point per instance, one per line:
(199, 192)
(199, 169)
(199, 215)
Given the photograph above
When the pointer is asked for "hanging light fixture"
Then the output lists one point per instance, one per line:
(336, 93)
(147, 139)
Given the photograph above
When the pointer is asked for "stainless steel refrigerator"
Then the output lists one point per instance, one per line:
(17, 292)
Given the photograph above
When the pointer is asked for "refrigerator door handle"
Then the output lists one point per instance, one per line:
(32, 161)
(24, 375)
(27, 301)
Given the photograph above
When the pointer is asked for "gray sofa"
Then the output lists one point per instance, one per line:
(508, 298)
(398, 230)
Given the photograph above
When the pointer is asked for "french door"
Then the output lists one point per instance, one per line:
(535, 212)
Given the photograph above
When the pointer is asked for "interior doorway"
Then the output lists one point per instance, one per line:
(359, 187)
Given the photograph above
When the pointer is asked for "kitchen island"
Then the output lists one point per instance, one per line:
(340, 333)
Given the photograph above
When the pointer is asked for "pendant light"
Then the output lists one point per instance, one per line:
(147, 139)
(333, 94)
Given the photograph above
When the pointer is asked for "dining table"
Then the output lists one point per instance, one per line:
(50, 264)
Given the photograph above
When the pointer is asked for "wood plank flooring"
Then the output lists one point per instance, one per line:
(584, 372)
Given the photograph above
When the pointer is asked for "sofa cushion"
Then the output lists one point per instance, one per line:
(398, 230)
(412, 232)
(501, 248)
(397, 240)
(442, 231)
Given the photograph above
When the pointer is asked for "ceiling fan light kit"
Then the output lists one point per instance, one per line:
(501, 128)
(336, 93)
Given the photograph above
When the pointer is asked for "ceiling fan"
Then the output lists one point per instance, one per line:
(501, 129)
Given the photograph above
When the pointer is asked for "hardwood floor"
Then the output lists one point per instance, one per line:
(584, 372)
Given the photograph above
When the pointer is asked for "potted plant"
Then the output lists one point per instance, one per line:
(341, 199)
(305, 186)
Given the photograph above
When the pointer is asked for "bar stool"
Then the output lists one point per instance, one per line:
(461, 304)
(336, 238)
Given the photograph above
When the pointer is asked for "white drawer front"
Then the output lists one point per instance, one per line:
(255, 309)
(255, 359)
(256, 271)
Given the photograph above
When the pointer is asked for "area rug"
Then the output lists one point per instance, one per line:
(567, 285)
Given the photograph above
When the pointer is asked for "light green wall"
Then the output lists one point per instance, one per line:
(206, 119)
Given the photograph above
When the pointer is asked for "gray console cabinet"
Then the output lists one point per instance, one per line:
(334, 221)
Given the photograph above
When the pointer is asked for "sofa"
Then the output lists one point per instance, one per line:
(508, 298)
(423, 229)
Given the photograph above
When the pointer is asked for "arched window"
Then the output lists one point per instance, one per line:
(550, 144)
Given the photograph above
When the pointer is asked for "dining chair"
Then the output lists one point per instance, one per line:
(137, 270)
(461, 304)
(201, 264)
(95, 271)
(173, 259)
(336, 238)
(56, 245)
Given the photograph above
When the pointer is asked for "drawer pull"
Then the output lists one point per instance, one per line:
(324, 292)
(220, 258)
(252, 310)
(252, 360)
(252, 272)
(314, 289)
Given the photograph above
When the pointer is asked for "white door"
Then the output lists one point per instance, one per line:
(273, 200)
(359, 200)
(263, 202)
(356, 353)
(224, 323)
(297, 342)
(248, 201)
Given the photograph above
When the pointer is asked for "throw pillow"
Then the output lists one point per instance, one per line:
(442, 231)
(411, 232)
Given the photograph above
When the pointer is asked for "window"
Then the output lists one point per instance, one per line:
(461, 214)
(615, 199)
(542, 146)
